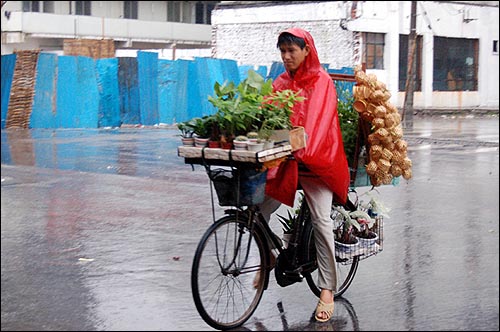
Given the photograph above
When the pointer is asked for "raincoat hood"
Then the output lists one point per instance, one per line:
(311, 65)
(324, 154)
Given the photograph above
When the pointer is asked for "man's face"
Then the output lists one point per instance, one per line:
(292, 56)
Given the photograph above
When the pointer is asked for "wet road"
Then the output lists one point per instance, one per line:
(99, 228)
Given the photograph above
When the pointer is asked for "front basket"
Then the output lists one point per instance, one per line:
(238, 187)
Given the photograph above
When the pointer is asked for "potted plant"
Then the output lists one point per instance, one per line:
(346, 243)
(365, 234)
(186, 133)
(201, 129)
(240, 142)
(288, 222)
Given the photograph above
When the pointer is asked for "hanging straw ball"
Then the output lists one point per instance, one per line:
(387, 95)
(378, 122)
(389, 145)
(372, 80)
(381, 134)
(406, 163)
(371, 168)
(407, 174)
(359, 106)
(380, 111)
(386, 154)
(361, 77)
(401, 145)
(390, 120)
(396, 170)
(380, 86)
(387, 179)
(397, 132)
(391, 108)
(375, 152)
(383, 165)
(377, 96)
(376, 180)
(373, 140)
(397, 158)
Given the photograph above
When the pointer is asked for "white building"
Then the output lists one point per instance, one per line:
(174, 27)
(457, 43)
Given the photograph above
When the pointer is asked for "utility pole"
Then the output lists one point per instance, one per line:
(411, 70)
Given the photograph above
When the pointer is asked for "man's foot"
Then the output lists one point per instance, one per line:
(324, 309)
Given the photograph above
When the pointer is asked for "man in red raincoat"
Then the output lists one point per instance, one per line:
(326, 175)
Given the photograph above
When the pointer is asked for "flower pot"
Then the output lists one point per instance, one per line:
(226, 145)
(345, 251)
(255, 146)
(368, 244)
(200, 142)
(268, 144)
(240, 145)
(187, 141)
(214, 144)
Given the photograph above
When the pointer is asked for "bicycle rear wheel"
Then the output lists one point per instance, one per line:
(345, 270)
(226, 279)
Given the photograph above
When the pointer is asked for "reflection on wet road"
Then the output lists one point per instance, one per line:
(99, 228)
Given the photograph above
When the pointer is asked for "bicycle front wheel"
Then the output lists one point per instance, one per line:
(228, 272)
(345, 270)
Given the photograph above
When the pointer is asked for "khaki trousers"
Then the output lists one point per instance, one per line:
(319, 198)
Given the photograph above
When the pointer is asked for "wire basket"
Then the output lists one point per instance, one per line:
(238, 187)
(364, 248)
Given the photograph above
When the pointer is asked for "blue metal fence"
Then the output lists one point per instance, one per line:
(80, 92)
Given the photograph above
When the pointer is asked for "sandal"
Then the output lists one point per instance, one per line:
(327, 308)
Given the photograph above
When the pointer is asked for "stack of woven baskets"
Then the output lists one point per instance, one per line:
(388, 157)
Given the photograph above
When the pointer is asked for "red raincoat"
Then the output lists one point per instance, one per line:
(324, 154)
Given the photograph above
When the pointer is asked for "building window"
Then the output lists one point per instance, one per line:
(403, 63)
(31, 6)
(204, 12)
(48, 7)
(173, 11)
(130, 9)
(373, 50)
(455, 64)
(82, 8)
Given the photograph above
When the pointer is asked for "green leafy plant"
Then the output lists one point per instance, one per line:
(276, 112)
(202, 127)
(345, 227)
(348, 118)
(289, 221)
(252, 106)
(186, 129)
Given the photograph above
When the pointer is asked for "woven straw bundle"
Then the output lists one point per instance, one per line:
(387, 150)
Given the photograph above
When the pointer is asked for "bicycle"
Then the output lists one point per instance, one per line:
(232, 263)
